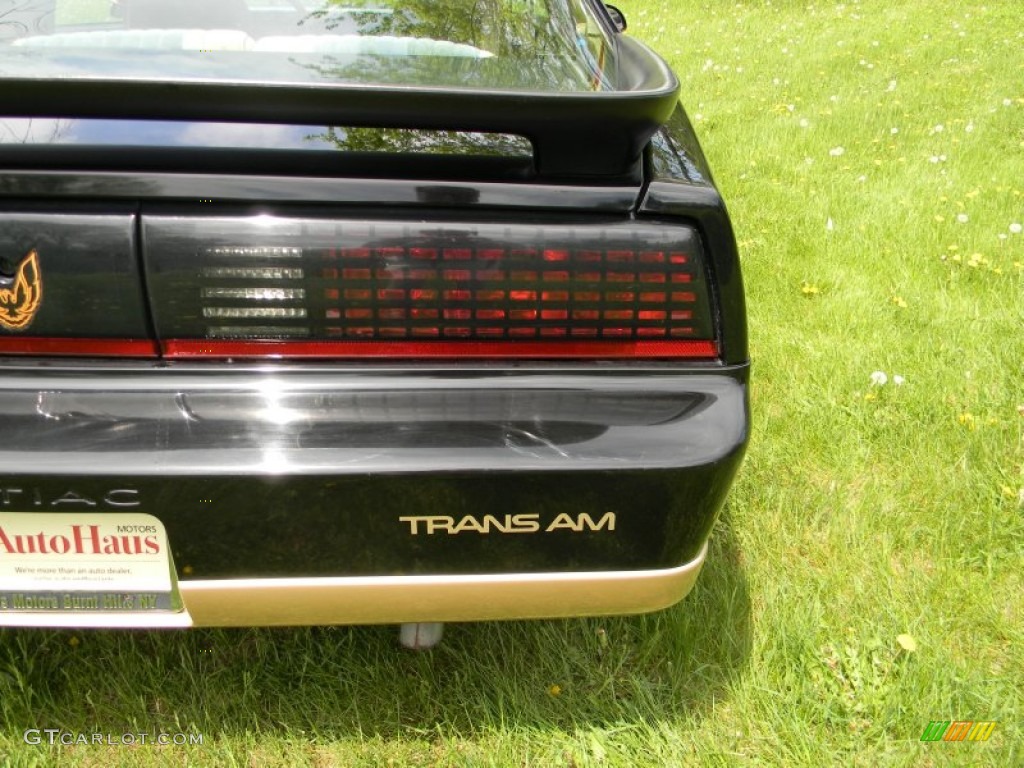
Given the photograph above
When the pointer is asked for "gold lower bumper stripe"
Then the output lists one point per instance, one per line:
(402, 599)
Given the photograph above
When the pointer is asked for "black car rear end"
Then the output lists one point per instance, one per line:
(413, 373)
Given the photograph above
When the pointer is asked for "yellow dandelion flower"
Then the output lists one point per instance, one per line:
(73, 641)
(555, 690)
(809, 289)
(899, 301)
(870, 396)
(966, 420)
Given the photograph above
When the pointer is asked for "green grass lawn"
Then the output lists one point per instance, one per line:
(866, 575)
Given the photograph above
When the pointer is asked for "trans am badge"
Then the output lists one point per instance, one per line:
(21, 294)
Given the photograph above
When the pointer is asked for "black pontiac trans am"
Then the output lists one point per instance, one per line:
(320, 312)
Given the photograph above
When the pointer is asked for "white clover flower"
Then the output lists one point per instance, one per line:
(898, 380)
(1016, 228)
(894, 131)
(879, 379)
(1007, 102)
(837, 151)
(892, 85)
(804, 122)
(938, 128)
(969, 128)
(962, 218)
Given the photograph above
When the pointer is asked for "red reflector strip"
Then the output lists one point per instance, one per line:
(607, 349)
(50, 345)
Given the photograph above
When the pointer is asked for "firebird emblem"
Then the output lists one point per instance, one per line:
(21, 294)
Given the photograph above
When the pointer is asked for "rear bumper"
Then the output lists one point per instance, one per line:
(305, 495)
(257, 421)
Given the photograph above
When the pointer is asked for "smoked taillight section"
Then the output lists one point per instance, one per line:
(70, 285)
(263, 285)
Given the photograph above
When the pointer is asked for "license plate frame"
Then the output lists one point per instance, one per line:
(87, 569)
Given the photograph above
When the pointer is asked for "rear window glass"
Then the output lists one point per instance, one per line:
(549, 45)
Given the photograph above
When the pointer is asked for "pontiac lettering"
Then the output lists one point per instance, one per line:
(118, 498)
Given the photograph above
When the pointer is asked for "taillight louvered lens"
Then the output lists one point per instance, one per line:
(370, 288)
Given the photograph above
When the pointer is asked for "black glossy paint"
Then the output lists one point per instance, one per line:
(89, 272)
(290, 470)
(264, 472)
(618, 124)
(680, 185)
(42, 144)
(258, 191)
(271, 527)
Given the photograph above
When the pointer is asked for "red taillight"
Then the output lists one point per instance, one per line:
(310, 288)
(628, 350)
(45, 346)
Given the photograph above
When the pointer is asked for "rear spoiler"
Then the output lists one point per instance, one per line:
(595, 135)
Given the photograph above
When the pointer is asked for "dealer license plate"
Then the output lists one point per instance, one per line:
(87, 570)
